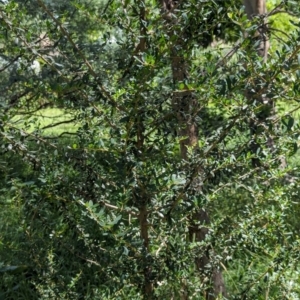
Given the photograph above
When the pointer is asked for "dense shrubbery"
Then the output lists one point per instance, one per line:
(104, 208)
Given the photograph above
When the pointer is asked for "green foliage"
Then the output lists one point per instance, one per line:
(282, 24)
(74, 198)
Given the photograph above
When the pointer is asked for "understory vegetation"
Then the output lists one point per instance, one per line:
(148, 151)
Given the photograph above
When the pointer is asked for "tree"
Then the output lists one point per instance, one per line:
(109, 207)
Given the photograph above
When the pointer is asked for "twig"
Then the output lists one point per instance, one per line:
(58, 123)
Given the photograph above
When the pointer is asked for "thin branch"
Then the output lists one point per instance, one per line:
(14, 99)
(10, 63)
(198, 167)
(279, 11)
(60, 135)
(83, 57)
(109, 2)
(286, 114)
(58, 123)
(26, 134)
(32, 112)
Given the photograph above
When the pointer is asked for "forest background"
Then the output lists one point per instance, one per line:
(147, 151)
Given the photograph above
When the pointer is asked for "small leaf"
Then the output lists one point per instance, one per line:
(126, 251)
(13, 269)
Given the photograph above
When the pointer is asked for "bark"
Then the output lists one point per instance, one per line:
(253, 9)
(143, 218)
(257, 8)
(142, 197)
(199, 233)
(185, 106)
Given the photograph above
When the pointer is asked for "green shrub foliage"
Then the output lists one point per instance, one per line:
(77, 193)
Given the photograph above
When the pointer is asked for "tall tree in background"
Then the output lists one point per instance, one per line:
(186, 107)
(257, 90)
(257, 8)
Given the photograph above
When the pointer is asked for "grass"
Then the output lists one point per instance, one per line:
(49, 121)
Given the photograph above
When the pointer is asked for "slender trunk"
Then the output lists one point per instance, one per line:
(256, 8)
(198, 233)
(185, 106)
(143, 218)
(142, 194)
(142, 200)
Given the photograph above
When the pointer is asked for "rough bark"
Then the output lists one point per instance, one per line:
(257, 8)
(142, 198)
(185, 106)
(143, 218)
(183, 103)
(198, 232)
(253, 9)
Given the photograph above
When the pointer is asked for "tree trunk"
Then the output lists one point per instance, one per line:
(256, 8)
(142, 197)
(205, 264)
(185, 106)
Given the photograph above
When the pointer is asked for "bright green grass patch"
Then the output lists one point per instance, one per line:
(50, 122)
